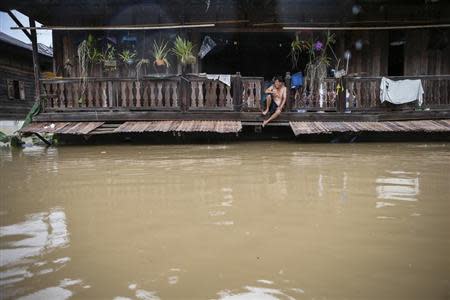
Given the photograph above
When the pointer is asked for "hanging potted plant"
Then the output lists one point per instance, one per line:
(109, 58)
(127, 58)
(184, 49)
(141, 67)
(160, 53)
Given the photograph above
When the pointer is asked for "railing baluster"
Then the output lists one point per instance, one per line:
(138, 94)
(89, 94)
(194, 85)
(104, 97)
(152, 95)
(76, 96)
(175, 94)
(123, 93)
(258, 94)
(62, 98)
(229, 99)
(145, 94)
(110, 94)
(160, 95)
(221, 94)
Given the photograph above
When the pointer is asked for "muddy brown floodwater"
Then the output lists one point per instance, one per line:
(237, 221)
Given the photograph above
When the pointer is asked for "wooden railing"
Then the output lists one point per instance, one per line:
(209, 94)
(252, 93)
(98, 93)
(244, 94)
(364, 93)
(324, 99)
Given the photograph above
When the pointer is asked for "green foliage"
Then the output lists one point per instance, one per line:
(317, 49)
(127, 56)
(141, 63)
(4, 138)
(184, 49)
(160, 52)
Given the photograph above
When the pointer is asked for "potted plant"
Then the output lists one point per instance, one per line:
(183, 49)
(141, 67)
(127, 56)
(160, 53)
(108, 58)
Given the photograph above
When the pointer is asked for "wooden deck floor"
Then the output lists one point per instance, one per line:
(246, 117)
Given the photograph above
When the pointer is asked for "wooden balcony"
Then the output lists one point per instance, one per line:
(197, 98)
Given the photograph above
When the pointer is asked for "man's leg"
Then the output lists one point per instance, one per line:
(268, 102)
(272, 117)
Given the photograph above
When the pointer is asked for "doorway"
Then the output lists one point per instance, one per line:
(252, 54)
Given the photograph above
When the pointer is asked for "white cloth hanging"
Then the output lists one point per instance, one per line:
(224, 78)
(401, 91)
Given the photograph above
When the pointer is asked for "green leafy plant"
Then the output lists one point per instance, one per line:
(317, 49)
(85, 52)
(184, 49)
(108, 57)
(160, 52)
(4, 138)
(127, 56)
(140, 65)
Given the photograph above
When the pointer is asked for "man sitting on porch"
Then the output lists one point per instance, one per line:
(275, 100)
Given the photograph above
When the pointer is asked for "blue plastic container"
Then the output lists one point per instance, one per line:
(297, 80)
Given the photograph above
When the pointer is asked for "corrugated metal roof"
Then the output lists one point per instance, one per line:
(62, 127)
(181, 126)
(42, 49)
(391, 126)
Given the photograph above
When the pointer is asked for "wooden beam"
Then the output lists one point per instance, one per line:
(118, 27)
(48, 143)
(34, 45)
(18, 23)
(335, 28)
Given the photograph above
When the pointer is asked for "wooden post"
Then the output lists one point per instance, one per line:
(237, 92)
(287, 83)
(18, 23)
(185, 93)
(34, 45)
(341, 99)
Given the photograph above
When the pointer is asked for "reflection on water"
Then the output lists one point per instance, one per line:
(255, 293)
(400, 185)
(24, 244)
(238, 221)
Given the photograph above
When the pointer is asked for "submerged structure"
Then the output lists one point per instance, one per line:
(116, 71)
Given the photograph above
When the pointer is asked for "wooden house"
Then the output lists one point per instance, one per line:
(17, 93)
(252, 43)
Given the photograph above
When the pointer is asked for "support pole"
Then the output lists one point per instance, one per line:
(18, 23)
(237, 92)
(341, 98)
(287, 83)
(34, 44)
(48, 143)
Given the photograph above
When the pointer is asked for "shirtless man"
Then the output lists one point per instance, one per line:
(275, 100)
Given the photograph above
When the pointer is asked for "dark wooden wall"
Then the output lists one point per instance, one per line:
(369, 51)
(17, 64)
(369, 60)
(66, 45)
(427, 52)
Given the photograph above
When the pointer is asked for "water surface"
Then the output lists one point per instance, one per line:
(236, 221)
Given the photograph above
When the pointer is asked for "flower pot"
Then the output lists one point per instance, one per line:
(160, 66)
(160, 62)
(110, 64)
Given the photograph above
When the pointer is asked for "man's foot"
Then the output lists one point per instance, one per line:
(265, 123)
(265, 112)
